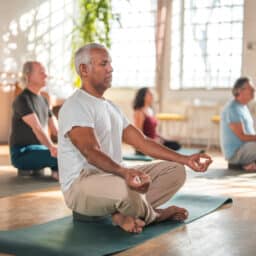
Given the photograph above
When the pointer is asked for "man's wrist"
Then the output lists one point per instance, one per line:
(51, 147)
(182, 159)
(122, 171)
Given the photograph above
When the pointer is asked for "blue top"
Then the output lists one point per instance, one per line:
(234, 112)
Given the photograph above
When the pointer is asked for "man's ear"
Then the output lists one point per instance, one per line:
(83, 68)
(25, 78)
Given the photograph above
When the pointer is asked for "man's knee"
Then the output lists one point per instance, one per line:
(177, 171)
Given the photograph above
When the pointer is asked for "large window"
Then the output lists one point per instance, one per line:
(41, 33)
(206, 43)
(133, 43)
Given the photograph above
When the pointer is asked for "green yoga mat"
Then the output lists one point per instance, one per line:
(137, 157)
(68, 237)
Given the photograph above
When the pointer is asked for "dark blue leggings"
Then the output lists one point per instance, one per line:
(33, 157)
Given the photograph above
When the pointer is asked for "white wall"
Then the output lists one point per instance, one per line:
(11, 13)
(249, 46)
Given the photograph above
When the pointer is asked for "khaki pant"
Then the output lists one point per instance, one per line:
(104, 194)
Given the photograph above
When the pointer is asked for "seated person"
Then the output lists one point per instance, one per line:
(30, 145)
(145, 121)
(93, 179)
(238, 139)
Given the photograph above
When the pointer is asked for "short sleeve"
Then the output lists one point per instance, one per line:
(22, 106)
(50, 113)
(234, 115)
(72, 115)
(126, 122)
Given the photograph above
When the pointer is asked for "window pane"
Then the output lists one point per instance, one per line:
(133, 43)
(210, 52)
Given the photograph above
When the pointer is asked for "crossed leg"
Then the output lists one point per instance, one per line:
(104, 194)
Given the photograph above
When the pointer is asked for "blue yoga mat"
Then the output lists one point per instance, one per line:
(67, 237)
(137, 157)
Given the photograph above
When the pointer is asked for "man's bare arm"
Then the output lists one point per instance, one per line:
(133, 137)
(32, 121)
(136, 138)
(53, 126)
(238, 130)
(85, 140)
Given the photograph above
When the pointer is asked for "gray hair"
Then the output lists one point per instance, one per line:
(239, 84)
(83, 54)
(26, 71)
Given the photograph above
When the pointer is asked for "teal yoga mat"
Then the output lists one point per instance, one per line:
(67, 237)
(137, 157)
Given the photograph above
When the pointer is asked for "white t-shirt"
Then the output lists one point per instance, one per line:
(108, 122)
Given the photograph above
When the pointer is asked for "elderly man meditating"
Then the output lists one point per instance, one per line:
(93, 179)
(30, 144)
(238, 138)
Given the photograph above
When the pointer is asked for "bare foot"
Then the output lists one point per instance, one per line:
(127, 223)
(250, 167)
(172, 213)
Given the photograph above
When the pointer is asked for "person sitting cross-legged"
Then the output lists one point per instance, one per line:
(94, 181)
(238, 138)
(31, 147)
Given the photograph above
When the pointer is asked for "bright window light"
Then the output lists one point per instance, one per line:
(206, 45)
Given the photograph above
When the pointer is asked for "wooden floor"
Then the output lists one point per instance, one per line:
(228, 231)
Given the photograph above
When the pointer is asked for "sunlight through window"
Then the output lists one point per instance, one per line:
(206, 46)
(42, 33)
(133, 43)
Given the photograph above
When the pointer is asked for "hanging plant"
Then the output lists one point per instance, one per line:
(93, 25)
